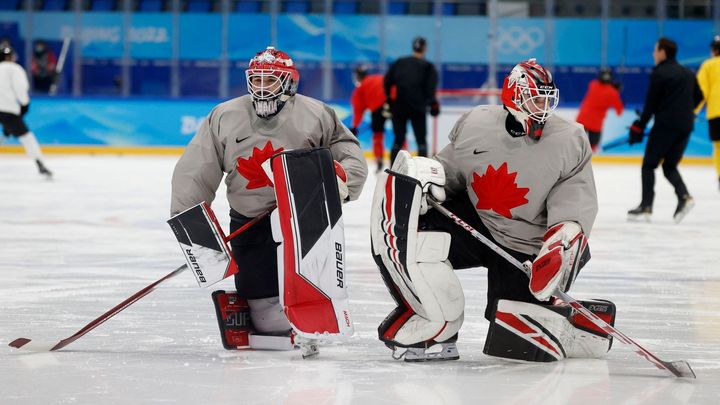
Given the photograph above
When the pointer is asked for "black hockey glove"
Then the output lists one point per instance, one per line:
(435, 109)
(637, 132)
(24, 109)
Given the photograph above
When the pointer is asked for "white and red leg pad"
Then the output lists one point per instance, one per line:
(414, 267)
(311, 254)
(546, 333)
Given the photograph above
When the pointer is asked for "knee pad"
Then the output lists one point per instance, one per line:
(414, 267)
(547, 333)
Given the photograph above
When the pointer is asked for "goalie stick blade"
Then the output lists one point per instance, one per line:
(680, 368)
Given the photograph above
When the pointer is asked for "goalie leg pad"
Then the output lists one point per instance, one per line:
(414, 267)
(546, 333)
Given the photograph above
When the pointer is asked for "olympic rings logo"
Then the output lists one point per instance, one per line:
(516, 39)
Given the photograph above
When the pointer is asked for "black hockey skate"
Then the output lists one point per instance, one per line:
(685, 204)
(640, 214)
(43, 170)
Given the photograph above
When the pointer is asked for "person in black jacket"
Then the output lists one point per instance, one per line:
(671, 98)
(415, 81)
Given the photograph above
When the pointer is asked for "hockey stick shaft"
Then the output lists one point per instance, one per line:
(616, 143)
(678, 368)
(29, 344)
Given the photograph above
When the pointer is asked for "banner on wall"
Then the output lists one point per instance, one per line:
(171, 123)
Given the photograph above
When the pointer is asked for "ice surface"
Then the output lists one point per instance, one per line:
(72, 248)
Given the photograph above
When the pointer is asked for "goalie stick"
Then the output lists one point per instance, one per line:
(38, 346)
(679, 368)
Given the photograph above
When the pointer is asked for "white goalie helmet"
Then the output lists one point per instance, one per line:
(271, 80)
(530, 95)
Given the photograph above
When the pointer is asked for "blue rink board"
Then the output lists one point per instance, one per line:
(162, 122)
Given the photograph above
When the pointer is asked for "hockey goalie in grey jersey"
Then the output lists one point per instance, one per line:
(522, 177)
(234, 141)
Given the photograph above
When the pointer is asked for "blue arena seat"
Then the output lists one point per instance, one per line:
(9, 4)
(297, 7)
(54, 5)
(397, 8)
(103, 5)
(346, 7)
(247, 7)
(199, 6)
(449, 9)
(150, 5)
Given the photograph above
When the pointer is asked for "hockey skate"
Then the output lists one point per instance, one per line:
(43, 170)
(436, 352)
(684, 206)
(308, 347)
(640, 214)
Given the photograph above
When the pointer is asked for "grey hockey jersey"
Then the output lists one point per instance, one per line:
(234, 142)
(519, 186)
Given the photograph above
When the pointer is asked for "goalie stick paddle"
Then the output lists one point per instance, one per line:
(679, 368)
(38, 346)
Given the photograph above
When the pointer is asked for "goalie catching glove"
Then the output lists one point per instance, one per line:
(559, 260)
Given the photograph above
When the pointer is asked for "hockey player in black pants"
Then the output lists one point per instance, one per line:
(672, 96)
(14, 104)
(415, 81)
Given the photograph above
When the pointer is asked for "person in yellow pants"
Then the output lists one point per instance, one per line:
(708, 78)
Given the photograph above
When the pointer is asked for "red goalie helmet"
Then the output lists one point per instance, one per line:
(529, 93)
(271, 80)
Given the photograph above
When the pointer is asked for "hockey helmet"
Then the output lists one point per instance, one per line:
(715, 44)
(605, 75)
(359, 73)
(271, 80)
(530, 95)
(6, 53)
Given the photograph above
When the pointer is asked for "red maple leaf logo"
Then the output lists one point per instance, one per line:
(496, 190)
(251, 168)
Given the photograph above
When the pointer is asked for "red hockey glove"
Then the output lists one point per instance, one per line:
(557, 264)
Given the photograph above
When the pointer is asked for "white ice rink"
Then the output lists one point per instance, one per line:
(75, 247)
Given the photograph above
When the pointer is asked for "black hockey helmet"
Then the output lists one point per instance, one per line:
(605, 75)
(419, 44)
(6, 53)
(359, 73)
(715, 44)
